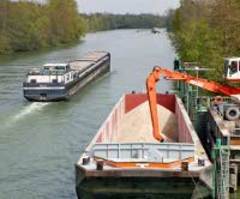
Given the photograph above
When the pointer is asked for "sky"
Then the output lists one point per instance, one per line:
(127, 6)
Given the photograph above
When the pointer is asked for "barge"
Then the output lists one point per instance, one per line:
(125, 160)
(59, 81)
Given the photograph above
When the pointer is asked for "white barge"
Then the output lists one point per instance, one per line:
(59, 81)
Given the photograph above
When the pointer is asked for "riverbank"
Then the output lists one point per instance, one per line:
(104, 21)
(30, 26)
(206, 32)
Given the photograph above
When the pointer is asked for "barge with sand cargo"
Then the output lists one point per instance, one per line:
(59, 81)
(124, 159)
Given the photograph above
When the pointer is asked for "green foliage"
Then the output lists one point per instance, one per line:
(26, 26)
(207, 31)
(4, 44)
(98, 22)
(64, 21)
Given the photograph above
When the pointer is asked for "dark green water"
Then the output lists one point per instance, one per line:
(40, 142)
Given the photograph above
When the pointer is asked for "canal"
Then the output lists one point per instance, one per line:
(40, 142)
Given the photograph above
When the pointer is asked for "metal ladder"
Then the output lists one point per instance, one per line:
(222, 172)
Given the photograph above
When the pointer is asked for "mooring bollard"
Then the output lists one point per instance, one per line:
(201, 162)
(100, 164)
(86, 160)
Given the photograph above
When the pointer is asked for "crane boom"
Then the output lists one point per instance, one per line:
(158, 72)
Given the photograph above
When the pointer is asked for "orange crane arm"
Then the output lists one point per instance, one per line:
(154, 77)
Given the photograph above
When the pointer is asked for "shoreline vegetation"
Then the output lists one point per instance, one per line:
(29, 26)
(206, 31)
(106, 21)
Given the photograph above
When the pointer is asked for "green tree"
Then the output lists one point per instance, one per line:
(4, 39)
(64, 21)
(26, 26)
(200, 33)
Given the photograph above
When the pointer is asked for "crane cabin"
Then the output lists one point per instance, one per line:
(232, 69)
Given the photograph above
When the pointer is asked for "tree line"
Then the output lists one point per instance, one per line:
(26, 26)
(31, 25)
(206, 31)
(105, 21)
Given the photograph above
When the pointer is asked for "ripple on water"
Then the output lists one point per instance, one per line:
(31, 108)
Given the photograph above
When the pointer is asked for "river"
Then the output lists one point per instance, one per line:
(40, 142)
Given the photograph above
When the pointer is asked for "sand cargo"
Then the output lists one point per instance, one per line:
(124, 159)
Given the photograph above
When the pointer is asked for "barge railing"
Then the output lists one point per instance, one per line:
(144, 151)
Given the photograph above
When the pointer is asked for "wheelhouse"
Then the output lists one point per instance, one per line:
(50, 73)
(55, 69)
(232, 69)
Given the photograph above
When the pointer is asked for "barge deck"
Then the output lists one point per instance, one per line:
(124, 159)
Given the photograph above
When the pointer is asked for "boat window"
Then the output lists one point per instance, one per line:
(233, 67)
(54, 81)
(60, 68)
(46, 68)
(33, 81)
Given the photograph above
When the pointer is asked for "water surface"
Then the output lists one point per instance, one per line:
(40, 142)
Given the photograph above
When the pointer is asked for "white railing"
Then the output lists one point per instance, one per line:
(143, 151)
(109, 129)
